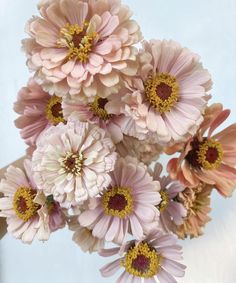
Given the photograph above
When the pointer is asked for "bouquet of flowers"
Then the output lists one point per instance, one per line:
(100, 108)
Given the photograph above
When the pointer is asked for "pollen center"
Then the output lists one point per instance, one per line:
(142, 260)
(78, 40)
(98, 108)
(54, 110)
(72, 163)
(118, 202)
(162, 91)
(210, 154)
(164, 202)
(24, 205)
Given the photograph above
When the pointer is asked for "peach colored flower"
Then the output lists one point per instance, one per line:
(38, 110)
(197, 202)
(144, 150)
(82, 47)
(128, 204)
(171, 86)
(72, 162)
(155, 259)
(208, 158)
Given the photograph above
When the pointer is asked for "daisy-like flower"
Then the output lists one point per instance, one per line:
(18, 205)
(94, 112)
(38, 110)
(208, 158)
(172, 212)
(84, 238)
(155, 259)
(145, 151)
(171, 86)
(127, 205)
(197, 203)
(72, 162)
(82, 47)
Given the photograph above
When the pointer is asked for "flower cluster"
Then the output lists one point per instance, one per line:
(96, 116)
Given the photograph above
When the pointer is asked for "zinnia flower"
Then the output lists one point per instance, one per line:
(82, 47)
(197, 203)
(51, 215)
(209, 158)
(128, 204)
(84, 238)
(72, 162)
(19, 206)
(145, 151)
(155, 259)
(94, 112)
(38, 111)
(171, 86)
(171, 211)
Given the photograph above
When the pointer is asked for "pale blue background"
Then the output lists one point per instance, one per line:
(206, 27)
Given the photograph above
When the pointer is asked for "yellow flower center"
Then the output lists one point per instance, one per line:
(78, 41)
(72, 163)
(118, 202)
(24, 205)
(54, 110)
(162, 91)
(210, 154)
(164, 202)
(97, 107)
(142, 260)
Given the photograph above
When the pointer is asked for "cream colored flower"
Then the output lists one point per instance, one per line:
(72, 162)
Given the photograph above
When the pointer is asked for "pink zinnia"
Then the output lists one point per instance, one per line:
(145, 151)
(171, 86)
(38, 110)
(84, 238)
(208, 158)
(51, 215)
(26, 218)
(94, 112)
(128, 204)
(72, 162)
(82, 47)
(155, 259)
(172, 212)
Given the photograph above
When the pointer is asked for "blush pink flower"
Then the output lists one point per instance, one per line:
(84, 238)
(209, 158)
(133, 121)
(172, 212)
(38, 110)
(128, 204)
(51, 215)
(171, 86)
(155, 259)
(145, 151)
(82, 47)
(72, 162)
(19, 206)
(94, 112)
